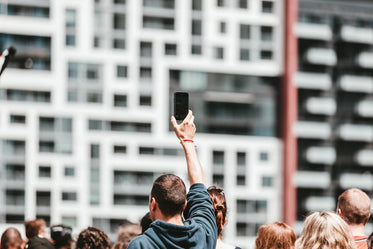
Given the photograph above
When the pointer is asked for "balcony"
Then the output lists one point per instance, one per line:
(354, 132)
(364, 157)
(319, 203)
(321, 56)
(355, 34)
(312, 179)
(321, 155)
(353, 83)
(313, 31)
(365, 59)
(350, 180)
(364, 108)
(322, 106)
(318, 130)
(319, 81)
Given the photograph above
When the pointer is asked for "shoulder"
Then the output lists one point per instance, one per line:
(141, 241)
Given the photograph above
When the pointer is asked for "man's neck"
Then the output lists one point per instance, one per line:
(176, 220)
(357, 230)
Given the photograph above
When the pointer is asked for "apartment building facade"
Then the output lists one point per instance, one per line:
(85, 107)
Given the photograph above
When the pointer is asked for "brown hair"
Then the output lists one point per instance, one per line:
(170, 193)
(34, 227)
(277, 235)
(355, 206)
(120, 245)
(325, 230)
(127, 231)
(93, 237)
(220, 205)
(11, 238)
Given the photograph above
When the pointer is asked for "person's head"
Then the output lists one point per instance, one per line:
(93, 237)
(277, 235)
(370, 241)
(35, 227)
(119, 245)
(354, 206)
(325, 230)
(127, 231)
(12, 239)
(61, 236)
(168, 195)
(220, 205)
(145, 222)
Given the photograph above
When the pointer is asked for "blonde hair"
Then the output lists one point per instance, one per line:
(325, 230)
(275, 235)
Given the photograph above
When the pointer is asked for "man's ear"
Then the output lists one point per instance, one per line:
(339, 212)
(153, 204)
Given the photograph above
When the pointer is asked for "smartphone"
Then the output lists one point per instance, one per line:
(181, 105)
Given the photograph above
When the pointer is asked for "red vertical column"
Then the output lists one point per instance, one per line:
(290, 107)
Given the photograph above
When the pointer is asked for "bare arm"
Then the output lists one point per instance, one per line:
(185, 131)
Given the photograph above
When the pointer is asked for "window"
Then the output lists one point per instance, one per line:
(46, 146)
(267, 181)
(266, 54)
(263, 156)
(266, 33)
(70, 221)
(241, 158)
(222, 27)
(145, 72)
(267, 6)
(220, 3)
(95, 151)
(219, 52)
(45, 171)
(119, 21)
(241, 180)
(119, 43)
(146, 49)
(69, 171)
(69, 196)
(244, 54)
(120, 100)
(170, 49)
(17, 119)
(120, 149)
(196, 27)
(244, 31)
(145, 100)
(119, 1)
(196, 49)
(196, 4)
(218, 157)
(122, 71)
(43, 198)
(70, 26)
(242, 4)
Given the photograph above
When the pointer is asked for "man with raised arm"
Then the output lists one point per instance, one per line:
(354, 207)
(168, 199)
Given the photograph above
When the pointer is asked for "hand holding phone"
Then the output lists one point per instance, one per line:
(181, 105)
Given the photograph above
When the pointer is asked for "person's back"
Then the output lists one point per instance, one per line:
(35, 232)
(12, 239)
(168, 199)
(220, 205)
(354, 207)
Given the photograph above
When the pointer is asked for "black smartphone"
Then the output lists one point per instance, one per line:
(181, 105)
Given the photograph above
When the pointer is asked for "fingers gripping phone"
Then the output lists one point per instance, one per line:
(181, 105)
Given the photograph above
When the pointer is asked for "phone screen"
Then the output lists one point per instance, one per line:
(181, 105)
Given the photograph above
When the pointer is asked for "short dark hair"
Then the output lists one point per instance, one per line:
(93, 237)
(170, 193)
(61, 235)
(33, 227)
(145, 222)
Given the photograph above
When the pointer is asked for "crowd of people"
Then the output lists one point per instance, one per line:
(196, 219)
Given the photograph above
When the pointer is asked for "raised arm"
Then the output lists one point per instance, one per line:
(185, 132)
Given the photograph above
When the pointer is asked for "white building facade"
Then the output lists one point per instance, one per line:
(85, 107)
